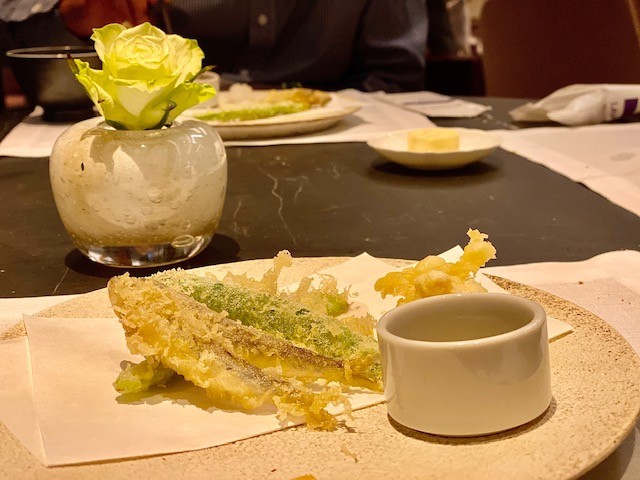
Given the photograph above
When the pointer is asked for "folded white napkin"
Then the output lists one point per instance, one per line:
(607, 285)
(435, 104)
(582, 104)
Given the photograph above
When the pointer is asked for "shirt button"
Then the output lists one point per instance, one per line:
(262, 20)
(36, 8)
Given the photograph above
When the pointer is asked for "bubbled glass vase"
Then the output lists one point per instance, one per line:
(139, 198)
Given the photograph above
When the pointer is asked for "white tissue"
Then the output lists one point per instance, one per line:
(582, 105)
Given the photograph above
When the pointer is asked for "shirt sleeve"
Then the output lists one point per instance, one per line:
(390, 47)
(19, 10)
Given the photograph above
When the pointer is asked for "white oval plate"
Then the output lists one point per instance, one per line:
(308, 121)
(474, 145)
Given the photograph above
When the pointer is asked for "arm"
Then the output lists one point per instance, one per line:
(19, 10)
(82, 16)
(390, 47)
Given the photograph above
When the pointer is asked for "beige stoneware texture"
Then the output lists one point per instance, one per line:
(596, 399)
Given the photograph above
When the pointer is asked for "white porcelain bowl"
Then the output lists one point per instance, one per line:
(474, 145)
(465, 364)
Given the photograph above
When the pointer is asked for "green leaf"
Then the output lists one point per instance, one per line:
(115, 124)
(163, 121)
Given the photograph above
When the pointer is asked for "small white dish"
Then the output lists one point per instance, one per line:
(465, 364)
(474, 145)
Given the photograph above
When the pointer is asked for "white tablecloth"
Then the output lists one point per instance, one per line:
(605, 158)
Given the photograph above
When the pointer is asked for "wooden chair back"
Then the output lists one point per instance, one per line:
(534, 47)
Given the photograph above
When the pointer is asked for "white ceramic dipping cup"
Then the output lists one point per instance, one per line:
(465, 364)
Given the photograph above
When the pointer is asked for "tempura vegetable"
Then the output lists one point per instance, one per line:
(269, 280)
(320, 295)
(324, 298)
(254, 111)
(209, 350)
(139, 377)
(363, 324)
(323, 334)
(435, 276)
(274, 103)
(307, 96)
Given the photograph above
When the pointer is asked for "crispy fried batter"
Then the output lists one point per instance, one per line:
(214, 352)
(434, 276)
(320, 333)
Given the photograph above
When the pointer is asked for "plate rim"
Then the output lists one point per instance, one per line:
(436, 160)
(340, 112)
(475, 131)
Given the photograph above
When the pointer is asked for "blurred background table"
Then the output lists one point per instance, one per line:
(333, 200)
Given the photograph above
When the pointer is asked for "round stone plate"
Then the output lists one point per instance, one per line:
(596, 399)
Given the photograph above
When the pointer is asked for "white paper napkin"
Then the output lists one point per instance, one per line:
(74, 408)
(81, 419)
(582, 104)
(33, 137)
(435, 104)
(16, 395)
(605, 158)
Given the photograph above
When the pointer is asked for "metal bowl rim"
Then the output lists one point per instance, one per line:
(52, 52)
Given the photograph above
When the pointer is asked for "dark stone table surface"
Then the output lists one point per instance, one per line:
(333, 200)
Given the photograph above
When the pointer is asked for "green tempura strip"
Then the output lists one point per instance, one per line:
(188, 338)
(335, 304)
(138, 377)
(321, 333)
(256, 112)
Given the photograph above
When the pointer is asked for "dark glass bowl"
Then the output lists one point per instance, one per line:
(44, 76)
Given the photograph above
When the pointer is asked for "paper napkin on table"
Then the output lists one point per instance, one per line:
(70, 413)
(33, 137)
(605, 158)
(609, 286)
(582, 104)
(435, 104)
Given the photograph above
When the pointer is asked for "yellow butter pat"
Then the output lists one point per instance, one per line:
(433, 140)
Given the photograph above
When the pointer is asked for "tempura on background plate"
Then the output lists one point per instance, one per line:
(244, 103)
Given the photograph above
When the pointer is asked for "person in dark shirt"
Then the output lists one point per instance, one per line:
(330, 44)
(366, 44)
